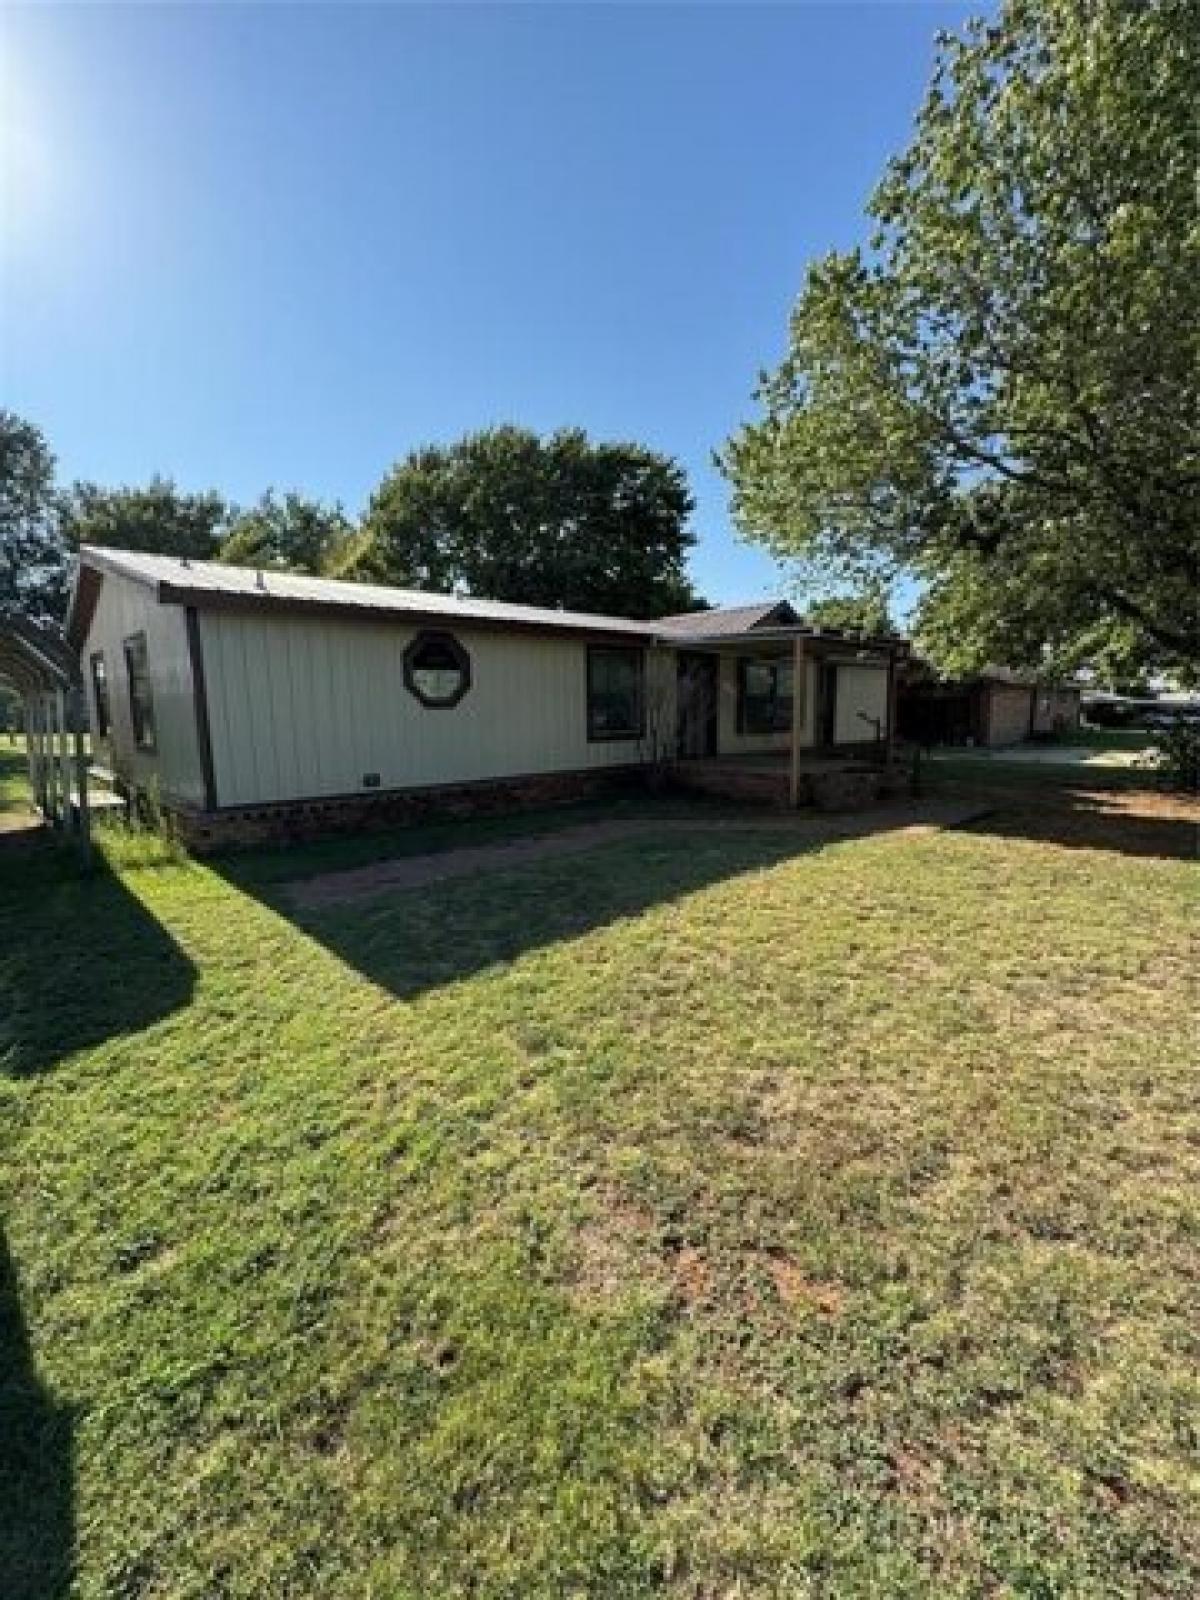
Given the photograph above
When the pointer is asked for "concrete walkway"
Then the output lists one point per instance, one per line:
(19, 825)
(416, 872)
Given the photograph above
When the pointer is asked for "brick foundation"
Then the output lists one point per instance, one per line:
(294, 822)
(839, 786)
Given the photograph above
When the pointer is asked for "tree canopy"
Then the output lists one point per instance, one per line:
(294, 534)
(159, 518)
(555, 521)
(999, 392)
(864, 611)
(33, 554)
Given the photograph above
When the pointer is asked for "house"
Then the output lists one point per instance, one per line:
(996, 708)
(257, 704)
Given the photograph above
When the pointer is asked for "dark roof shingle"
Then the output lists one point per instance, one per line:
(726, 620)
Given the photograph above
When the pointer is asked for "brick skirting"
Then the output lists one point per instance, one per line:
(296, 821)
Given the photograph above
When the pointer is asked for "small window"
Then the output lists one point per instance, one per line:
(764, 696)
(437, 670)
(141, 698)
(615, 699)
(100, 695)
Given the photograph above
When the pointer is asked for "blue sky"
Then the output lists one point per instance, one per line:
(281, 245)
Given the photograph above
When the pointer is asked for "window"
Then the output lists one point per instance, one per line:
(764, 695)
(615, 702)
(100, 695)
(141, 699)
(437, 670)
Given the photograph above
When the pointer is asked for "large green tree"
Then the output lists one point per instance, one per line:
(866, 610)
(999, 392)
(33, 555)
(159, 519)
(294, 534)
(555, 521)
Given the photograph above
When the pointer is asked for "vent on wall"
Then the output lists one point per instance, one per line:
(370, 780)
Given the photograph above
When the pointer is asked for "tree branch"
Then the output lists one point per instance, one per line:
(1182, 644)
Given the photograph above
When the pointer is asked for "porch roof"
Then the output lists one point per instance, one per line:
(31, 658)
(817, 642)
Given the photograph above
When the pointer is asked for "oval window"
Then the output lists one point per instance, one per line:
(437, 670)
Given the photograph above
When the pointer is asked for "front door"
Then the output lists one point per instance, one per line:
(696, 691)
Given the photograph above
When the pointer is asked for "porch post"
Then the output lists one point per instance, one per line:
(49, 766)
(30, 752)
(83, 818)
(64, 757)
(44, 765)
(799, 709)
(35, 745)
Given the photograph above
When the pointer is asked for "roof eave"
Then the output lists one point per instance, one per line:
(890, 643)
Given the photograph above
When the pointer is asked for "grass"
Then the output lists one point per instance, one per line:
(994, 772)
(14, 773)
(701, 1216)
(1108, 738)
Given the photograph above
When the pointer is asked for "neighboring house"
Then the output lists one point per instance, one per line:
(996, 708)
(257, 697)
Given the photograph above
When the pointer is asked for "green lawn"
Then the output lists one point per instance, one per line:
(1108, 738)
(703, 1216)
(14, 774)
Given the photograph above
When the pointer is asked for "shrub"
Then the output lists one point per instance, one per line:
(1175, 756)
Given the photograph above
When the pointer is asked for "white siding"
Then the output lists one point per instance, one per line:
(732, 743)
(861, 692)
(123, 608)
(305, 707)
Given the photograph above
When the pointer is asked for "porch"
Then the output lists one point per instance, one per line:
(787, 717)
(41, 670)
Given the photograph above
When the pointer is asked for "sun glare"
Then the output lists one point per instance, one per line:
(26, 171)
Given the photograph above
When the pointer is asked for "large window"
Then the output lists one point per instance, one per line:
(141, 698)
(615, 698)
(437, 670)
(100, 695)
(764, 695)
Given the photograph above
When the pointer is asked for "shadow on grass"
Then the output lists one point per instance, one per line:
(37, 1514)
(1116, 819)
(81, 961)
(410, 938)
(421, 934)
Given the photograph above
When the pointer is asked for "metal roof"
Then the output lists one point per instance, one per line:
(211, 582)
(182, 581)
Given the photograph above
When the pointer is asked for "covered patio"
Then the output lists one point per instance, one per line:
(42, 671)
(787, 716)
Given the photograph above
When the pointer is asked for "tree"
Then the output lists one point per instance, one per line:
(1000, 394)
(33, 555)
(159, 519)
(866, 611)
(294, 534)
(558, 521)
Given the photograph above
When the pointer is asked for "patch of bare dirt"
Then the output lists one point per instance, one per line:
(692, 1275)
(618, 1246)
(625, 1246)
(1136, 822)
(795, 1289)
(417, 872)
